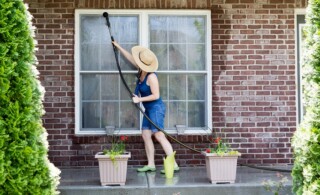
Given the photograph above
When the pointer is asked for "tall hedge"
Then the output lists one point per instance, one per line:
(306, 140)
(24, 165)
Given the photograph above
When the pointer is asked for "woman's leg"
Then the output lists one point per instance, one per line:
(149, 146)
(166, 145)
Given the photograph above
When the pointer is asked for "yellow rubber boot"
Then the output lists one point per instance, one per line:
(168, 164)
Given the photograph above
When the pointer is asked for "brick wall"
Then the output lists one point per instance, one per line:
(253, 68)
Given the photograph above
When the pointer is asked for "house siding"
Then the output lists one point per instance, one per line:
(253, 79)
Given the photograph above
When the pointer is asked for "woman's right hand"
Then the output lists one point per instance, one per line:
(136, 99)
(116, 44)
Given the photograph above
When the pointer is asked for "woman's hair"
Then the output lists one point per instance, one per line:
(139, 73)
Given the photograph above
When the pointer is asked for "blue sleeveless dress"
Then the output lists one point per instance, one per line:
(155, 109)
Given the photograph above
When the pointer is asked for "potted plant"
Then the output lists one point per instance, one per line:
(221, 161)
(113, 162)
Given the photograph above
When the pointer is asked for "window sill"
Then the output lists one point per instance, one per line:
(138, 132)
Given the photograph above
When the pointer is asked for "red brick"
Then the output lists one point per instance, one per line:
(232, 1)
(246, 1)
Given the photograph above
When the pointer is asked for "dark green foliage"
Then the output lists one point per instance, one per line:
(306, 140)
(24, 165)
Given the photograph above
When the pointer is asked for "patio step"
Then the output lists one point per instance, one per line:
(188, 181)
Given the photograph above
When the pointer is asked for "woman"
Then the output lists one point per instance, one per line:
(148, 87)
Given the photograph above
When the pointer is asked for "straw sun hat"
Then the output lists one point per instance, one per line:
(145, 58)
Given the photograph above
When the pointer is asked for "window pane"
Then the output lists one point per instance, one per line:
(110, 87)
(108, 60)
(177, 29)
(90, 57)
(92, 28)
(177, 114)
(129, 116)
(110, 114)
(163, 84)
(124, 63)
(196, 114)
(90, 87)
(177, 56)
(178, 87)
(196, 57)
(196, 29)
(196, 87)
(158, 29)
(131, 82)
(161, 51)
(90, 115)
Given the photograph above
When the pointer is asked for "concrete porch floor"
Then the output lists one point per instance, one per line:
(188, 181)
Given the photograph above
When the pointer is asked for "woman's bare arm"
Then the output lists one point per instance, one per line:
(126, 54)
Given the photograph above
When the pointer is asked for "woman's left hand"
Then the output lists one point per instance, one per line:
(135, 99)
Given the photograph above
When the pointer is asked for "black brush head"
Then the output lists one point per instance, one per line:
(105, 14)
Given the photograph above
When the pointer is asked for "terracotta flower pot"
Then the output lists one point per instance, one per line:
(221, 169)
(113, 172)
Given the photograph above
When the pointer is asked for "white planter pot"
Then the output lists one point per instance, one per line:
(221, 169)
(113, 173)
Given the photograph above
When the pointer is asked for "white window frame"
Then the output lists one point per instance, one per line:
(144, 40)
(299, 95)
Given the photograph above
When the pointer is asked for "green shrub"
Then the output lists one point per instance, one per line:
(306, 140)
(24, 165)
